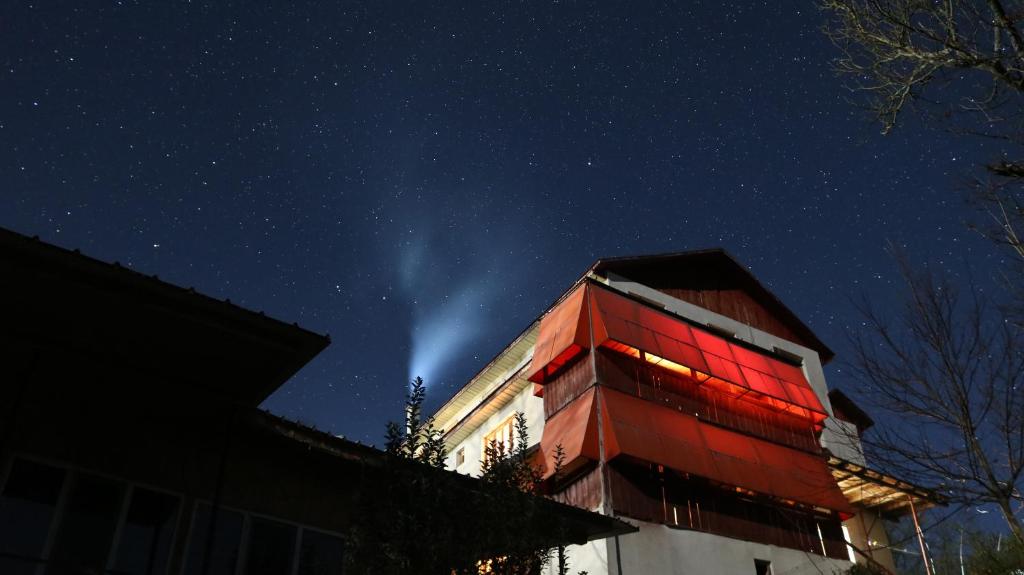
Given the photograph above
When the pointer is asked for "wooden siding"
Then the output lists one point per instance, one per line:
(644, 493)
(583, 492)
(568, 385)
(740, 306)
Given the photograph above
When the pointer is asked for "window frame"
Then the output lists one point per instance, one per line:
(72, 472)
(186, 504)
(509, 423)
(243, 546)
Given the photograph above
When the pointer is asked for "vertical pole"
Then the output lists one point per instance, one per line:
(606, 506)
(218, 491)
(920, 538)
(867, 532)
(606, 491)
(962, 572)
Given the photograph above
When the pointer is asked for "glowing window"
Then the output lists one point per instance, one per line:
(502, 437)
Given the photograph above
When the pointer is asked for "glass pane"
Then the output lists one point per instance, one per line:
(321, 554)
(270, 549)
(146, 536)
(87, 527)
(26, 510)
(223, 544)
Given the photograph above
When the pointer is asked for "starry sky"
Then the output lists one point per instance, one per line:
(421, 180)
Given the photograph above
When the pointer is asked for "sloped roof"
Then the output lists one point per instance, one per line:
(463, 405)
(709, 269)
(66, 299)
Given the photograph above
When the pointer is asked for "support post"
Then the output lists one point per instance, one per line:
(920, 538)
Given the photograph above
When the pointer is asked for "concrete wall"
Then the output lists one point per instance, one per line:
(473, 444)
(840, 437)
(592, 558)
(660, 550)
(867, 532)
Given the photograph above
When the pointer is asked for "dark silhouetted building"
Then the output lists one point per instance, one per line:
(131, 441)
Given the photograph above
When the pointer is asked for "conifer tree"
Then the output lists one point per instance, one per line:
(417, 439)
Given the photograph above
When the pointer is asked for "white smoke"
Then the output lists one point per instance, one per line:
(442, 332)
(450, 297)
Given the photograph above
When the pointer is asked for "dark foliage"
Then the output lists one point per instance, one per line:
(426, 520)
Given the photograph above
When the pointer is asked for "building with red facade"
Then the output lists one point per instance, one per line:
(131, 443)
(688, 399)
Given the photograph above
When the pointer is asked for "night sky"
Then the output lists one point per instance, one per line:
(421, 181)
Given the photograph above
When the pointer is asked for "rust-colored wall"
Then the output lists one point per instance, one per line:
(568, 385)
(584, 492)
(738, 305)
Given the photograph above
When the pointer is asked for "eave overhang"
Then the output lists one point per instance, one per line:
(889, 496)
(61, 299)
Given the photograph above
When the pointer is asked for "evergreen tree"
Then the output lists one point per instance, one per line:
(509, 466)
(417, 440)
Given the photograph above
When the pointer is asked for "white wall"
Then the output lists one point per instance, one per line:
(840, 437)
(660, 550)
(592, 558)
(524, 401)
(867, 532)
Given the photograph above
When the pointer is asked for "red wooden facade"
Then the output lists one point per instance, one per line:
(667, 422)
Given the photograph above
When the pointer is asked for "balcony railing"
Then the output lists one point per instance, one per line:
(681, 503)
(689, 396)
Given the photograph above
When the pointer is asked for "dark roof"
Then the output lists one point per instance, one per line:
(709, 269)
(847, 410)
(61, 298)
(583, 525)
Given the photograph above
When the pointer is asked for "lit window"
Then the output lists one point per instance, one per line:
(849, 548)
(502, 437)
(460, 456)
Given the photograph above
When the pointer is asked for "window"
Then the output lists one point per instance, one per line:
(224, 542)
(503, 436)
(271, 548)
(460, 456)
(145, 541)
(27, 507)
(762, 567)
(87, 528)
(321, 554)
(55, 521)
(849, 544)
(82, 514)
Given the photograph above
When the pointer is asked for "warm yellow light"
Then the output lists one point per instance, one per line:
(667, 364)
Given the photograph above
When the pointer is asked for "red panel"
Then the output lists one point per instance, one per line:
(574, 427)
(751, 359)
(766, 384)
(634, 324)
(563, 337)
(661, 435)
(710, 343)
